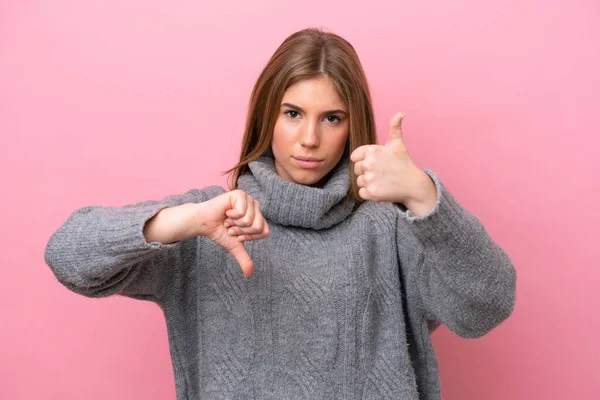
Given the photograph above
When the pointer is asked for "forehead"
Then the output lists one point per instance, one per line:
(315, 93)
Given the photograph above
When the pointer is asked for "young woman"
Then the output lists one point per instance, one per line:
(350, 255)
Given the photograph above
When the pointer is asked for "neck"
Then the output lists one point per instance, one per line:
(287, 203)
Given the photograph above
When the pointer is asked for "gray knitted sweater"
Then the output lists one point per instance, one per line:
(341, 304)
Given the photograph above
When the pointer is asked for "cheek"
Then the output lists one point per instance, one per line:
(338, 139)
(283, 135)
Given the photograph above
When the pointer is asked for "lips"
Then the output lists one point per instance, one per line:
(308, 159)
(307, 162)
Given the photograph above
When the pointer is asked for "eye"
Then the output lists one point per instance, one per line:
(292, 114)
(333, 119)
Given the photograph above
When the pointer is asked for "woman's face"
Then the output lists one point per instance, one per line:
(310, 133)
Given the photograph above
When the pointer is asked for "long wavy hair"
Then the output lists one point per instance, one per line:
(307, 54)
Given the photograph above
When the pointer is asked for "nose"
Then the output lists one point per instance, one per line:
(309, 135)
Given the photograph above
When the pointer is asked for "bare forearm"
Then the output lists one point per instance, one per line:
(173, 224)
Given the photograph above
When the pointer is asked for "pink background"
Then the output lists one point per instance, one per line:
(112, 102)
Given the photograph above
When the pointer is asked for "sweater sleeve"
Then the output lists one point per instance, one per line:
(462, 277)
(100, 251)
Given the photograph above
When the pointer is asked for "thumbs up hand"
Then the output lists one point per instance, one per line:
(387, 173)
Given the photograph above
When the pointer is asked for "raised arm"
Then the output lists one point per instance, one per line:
(462, 277)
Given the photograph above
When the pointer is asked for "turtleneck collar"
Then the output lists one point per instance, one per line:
(292, 204)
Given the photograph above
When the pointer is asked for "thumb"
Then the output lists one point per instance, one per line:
(238, 251)
(395, 128)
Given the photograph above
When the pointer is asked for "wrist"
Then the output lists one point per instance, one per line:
(424, 196)
(172, 224)
(196, 225)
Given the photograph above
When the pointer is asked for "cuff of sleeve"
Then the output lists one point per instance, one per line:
(439, 190)
(444, 220)
(124, 229)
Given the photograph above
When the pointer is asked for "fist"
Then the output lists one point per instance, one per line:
(383, 171)
(231, 219)
(387, 173)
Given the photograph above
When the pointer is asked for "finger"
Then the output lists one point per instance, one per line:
(238, 205)
(395, 127)
(234, 222)
(248, 218)
(259, 225)
(262, 222)
(254, 236)
(358, 168)
(243, 258)
(241, 230)
(364, 194)
(257, 234)
(360, 181)
(359, 153)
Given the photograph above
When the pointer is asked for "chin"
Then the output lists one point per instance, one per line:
(300, 176)
(308, 180)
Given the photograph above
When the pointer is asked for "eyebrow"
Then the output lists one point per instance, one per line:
(299, 109)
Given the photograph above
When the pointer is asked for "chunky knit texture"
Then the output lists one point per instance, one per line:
(341, 304)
